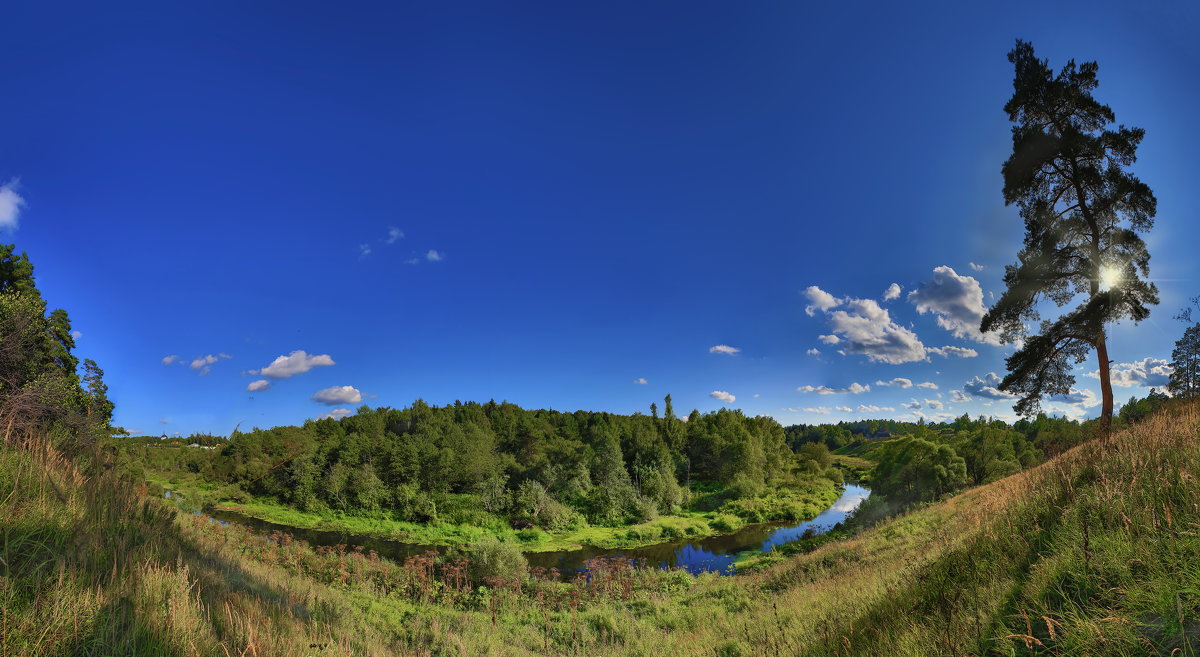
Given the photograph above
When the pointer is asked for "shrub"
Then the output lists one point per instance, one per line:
(490, 558)
(727, 522)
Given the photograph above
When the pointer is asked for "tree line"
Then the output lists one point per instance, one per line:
(546, 468)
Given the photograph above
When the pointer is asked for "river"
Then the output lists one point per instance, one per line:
(712, 554)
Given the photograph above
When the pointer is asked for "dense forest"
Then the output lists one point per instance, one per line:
(551, 469)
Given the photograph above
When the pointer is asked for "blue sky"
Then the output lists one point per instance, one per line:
(552, 202)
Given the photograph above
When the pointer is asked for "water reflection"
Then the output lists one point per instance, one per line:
(713, 554)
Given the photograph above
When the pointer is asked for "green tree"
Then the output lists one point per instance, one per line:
(99, 408)
(1083, 213)
(913, 470)
(1185, 361)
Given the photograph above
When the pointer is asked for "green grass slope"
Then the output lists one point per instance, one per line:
(1095, 552)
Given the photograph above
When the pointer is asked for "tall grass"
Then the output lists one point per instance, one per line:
(1096, 552)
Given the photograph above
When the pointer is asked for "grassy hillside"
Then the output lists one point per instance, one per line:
(1095, 552)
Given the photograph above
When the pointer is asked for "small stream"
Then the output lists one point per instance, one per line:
(712, 554)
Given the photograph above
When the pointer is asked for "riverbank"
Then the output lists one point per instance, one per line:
(783, 504)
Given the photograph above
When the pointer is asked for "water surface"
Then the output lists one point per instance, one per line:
(712, 554)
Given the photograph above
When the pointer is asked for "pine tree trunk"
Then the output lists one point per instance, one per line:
(1106, 392)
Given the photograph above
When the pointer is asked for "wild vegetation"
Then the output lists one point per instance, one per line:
(546, 479)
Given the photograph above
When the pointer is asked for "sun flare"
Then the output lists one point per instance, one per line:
(1110, 277)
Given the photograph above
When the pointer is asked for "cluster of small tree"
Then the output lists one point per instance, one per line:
(927, 460)
(41, 389)
(1135, 410)
(534, 467)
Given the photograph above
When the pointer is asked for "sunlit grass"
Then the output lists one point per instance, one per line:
(1093, 553)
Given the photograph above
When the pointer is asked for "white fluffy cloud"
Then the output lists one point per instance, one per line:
(948, 351)
(957, 301)
(813, 352)
(641, 381)
(203, 364)
(10, 206)
(987, 387)
(334, 395)
(1147, 372)
(258, 386)
(935, 404)
(864, 408)
(335, 413)
(364, 250)
(959, 396)
(297, 362)
(893, 292)
(975, 267)
(723, 396)
(865, 328)
(434, 256)
(829, 339)
(819, 300)
(852, 389)
(928, 384)
(819, 410)
(899, 382)
(1077, 397)
(723, 349)
(393, 235)
(170, 360)
(913, 405)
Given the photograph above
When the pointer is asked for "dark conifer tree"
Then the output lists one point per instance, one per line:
(1084, 213)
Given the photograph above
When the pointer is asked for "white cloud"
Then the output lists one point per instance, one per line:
(393, 235)
(987, 387)
(434, 256)
(813, 352)
(928, 384)
(948, 351)
(298, 362)
(334, 395)
(164, 421)
(756, 395)
(913, 405)
(168, 360)
(641, 381)
(10, 205)
(1077, 397)
(1147, 372)
(893, 292)
(975, 267)
(844, 409)
(819, 410)
(899, 381)
(723, 396)
(203, 364)
(723, 349)
(364, 250)
(863, 408)
(865, 328)
(935, 404)
(957, 301)
(958, 396)
(852, 389)
(820, 300)
(258, 386)
(335, 413)
(77, 334)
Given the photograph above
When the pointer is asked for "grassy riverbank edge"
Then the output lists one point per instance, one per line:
(690, 525)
